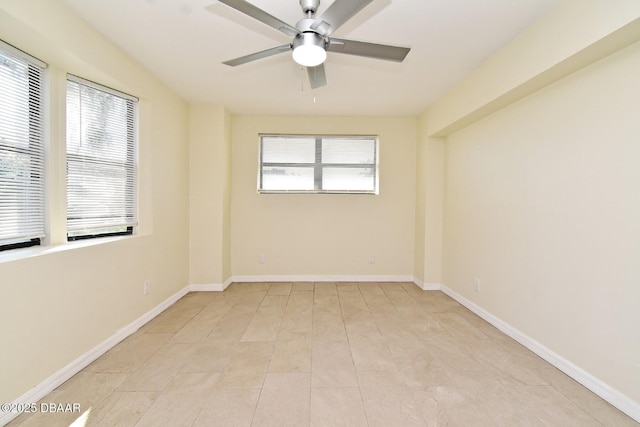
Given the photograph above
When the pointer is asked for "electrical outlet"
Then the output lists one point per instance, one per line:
(476, 284)
(147, 287)
(261, 259)
(372, 259)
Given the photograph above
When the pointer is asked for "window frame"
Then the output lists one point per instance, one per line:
(318, 165)
(130, 164)
(37, 122)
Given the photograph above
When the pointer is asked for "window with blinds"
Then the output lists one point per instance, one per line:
(101, 161)
(22, 207)
(318, 164)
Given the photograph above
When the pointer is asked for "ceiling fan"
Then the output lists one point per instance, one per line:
(311, 37)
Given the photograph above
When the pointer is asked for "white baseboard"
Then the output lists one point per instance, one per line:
(608, 393)
(427, 286)
(57, 379)
(614, 397)
(322, 278)
(210, 287)
(207, 287)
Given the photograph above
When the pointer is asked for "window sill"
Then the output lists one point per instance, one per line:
(34, 251)
(351, 192)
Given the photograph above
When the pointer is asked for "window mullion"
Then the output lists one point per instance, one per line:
(131, 197)
(318, 164)
(261, 165)
(317, 170)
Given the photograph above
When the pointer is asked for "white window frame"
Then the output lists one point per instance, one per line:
(87, 221)
(318, 166)
(22, 194)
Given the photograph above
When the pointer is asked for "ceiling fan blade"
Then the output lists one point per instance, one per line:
(317, 76)
(258, 55)
(262, 16)
(337, 14)
(370, 50)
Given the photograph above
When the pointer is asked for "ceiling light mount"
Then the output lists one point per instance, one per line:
(309, 7)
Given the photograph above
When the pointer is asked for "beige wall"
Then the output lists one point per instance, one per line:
(324, 235)
(421, 182)
(209, 194)
(538, 200)
(542, 205)
(429, 206)
(61, 302)
(572, 35)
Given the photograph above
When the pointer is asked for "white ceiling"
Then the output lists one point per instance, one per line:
(184, 45)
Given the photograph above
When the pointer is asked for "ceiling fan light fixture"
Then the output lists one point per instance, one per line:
(309, 49)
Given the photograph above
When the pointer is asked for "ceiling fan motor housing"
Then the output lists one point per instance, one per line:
(304, 25)
(308, 38)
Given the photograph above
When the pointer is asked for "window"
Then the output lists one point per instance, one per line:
(21, 149)
(318, 164)
(101, 164)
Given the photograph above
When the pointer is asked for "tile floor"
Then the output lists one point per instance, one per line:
(323, 354)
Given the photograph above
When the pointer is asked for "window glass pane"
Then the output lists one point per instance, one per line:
(14, 105)
(348, 179)
(287, 178)
(288, 150)
(348, 151)
(97, 124)
(96, 193)
(101, 166)
(320, 163)
(21, 150)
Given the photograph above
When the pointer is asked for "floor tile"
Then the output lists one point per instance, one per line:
(181, 402)
(325, 288)
(302, 286)
(323, 354)
(122, 409)
(292, 353)
(370, 353)
(387, 400)
(248, 365)
(284, 400)
(448, 406)
(171, 320)
(279, 289)
(130, 354)
(231, 327)
(153, 375)
(86, 390)
(328, 326)
(332, 365)
(263, 327)
(458, 327)
(229, 407)
(209, 356)
(337, 407)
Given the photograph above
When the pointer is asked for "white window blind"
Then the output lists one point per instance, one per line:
(318, 164)
(21, 148)
(101, 164)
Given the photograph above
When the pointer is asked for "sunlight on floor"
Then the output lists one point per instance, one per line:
(82, 420)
